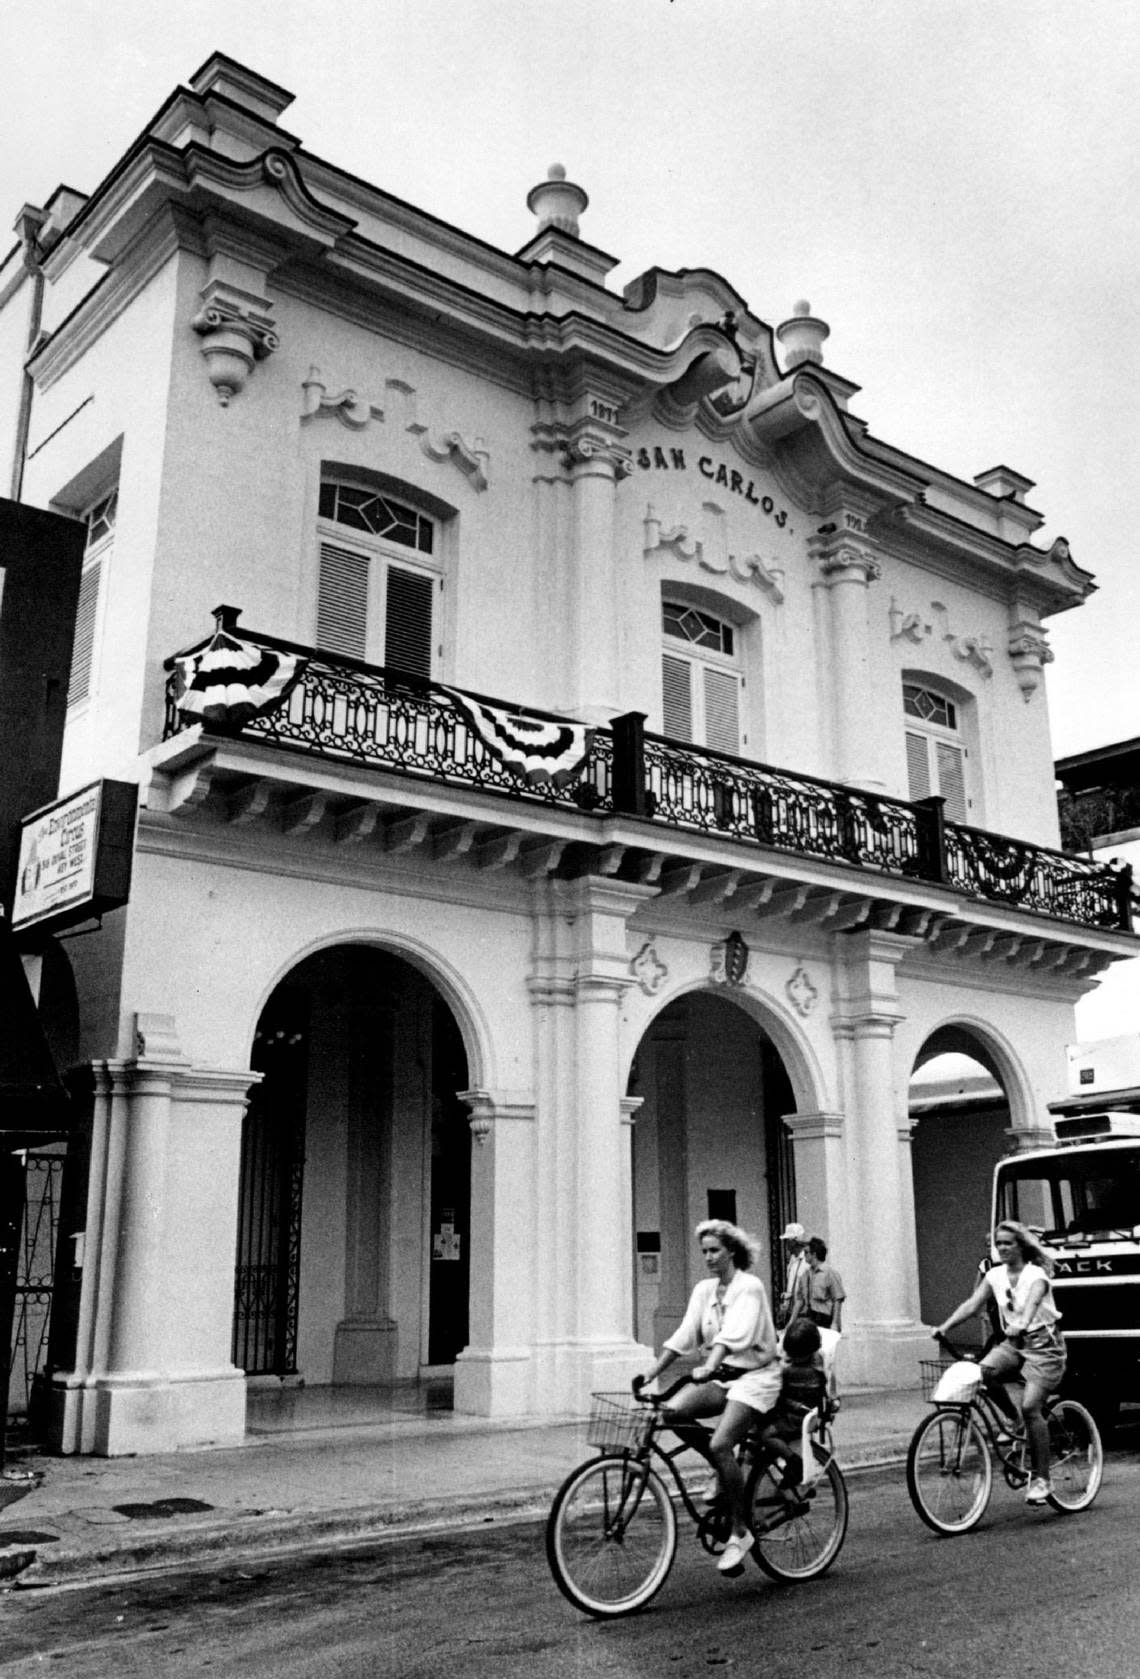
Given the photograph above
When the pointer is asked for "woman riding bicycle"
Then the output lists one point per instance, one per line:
(1021, 1289)
(730, 1321)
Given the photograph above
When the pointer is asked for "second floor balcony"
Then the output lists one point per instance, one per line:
(614, 800)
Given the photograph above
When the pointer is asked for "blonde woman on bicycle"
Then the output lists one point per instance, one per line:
(729, 1321)
(1021, 1288)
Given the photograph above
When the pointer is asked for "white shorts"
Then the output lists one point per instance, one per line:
(758, 1388)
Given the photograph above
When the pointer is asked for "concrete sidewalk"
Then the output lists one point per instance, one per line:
(79, 1519)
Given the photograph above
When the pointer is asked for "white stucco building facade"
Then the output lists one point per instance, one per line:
(402, 1063)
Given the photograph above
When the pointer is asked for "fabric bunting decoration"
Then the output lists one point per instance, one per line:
(229, 681)
(537, 750)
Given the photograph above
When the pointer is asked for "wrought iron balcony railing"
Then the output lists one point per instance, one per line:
(343, 709)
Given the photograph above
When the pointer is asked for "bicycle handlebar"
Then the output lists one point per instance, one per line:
(638, 1388)
(955, 1352)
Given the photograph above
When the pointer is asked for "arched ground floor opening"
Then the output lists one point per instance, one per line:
(709, 1142)
(353, 1242)
(960, 1117)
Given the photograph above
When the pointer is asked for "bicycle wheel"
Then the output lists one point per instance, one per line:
(611, 1536)
(800, 1542)
(948, 1471)
(1077, 1456)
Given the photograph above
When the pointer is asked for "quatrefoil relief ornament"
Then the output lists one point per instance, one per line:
(802, 994)
(648, 969)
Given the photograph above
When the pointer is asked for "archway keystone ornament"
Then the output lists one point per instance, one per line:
(730, 961)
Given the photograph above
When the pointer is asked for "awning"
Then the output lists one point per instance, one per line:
(34, 1105)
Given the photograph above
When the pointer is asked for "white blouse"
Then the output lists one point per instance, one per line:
(740, 1320)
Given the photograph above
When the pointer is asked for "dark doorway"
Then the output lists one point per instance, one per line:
(272, 1177)
(450, 1261)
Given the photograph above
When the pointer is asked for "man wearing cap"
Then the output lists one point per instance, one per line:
(794, 1300)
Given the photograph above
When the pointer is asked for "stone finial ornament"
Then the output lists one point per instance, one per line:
(557, 202)
(802, 336)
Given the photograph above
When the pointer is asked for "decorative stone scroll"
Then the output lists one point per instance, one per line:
(357, 412)
(976, 650)
(747, 568)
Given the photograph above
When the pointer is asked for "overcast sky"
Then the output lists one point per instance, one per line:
(951, 183)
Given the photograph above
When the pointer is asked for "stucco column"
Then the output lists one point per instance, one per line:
(153, 1370)
(494, 1374)
(817, 1146)
(846, 571)
(882, 1260)
(596, 465)
(582, 1256)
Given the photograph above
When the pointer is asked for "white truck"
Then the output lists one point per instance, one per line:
(1083, 1194)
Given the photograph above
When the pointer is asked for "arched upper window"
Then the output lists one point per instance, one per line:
(379, 578)
(100, 518)
(936, 753)
(701, 677)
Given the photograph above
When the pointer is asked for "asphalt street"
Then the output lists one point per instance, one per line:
(1028, 1594)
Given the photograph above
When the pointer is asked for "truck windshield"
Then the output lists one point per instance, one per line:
(1079, 1194)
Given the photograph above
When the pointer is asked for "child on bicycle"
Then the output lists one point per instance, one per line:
(803, 1389)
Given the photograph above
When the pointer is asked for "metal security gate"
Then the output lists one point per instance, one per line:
(778, 1099)
(35, 1268)
(268, 1272)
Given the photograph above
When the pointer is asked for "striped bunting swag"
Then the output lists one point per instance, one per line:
(229, 681)
(539, 751)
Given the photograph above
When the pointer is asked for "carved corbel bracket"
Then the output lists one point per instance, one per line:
(1029, 653)
(235, 332)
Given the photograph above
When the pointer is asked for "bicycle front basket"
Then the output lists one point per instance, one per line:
(932, 1371)
(958, 1383)
(617, 1422)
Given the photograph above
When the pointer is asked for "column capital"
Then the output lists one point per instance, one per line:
(843, 559)
(590, 455)
(813, 1127)
(873, 944)
(629, 1106)
(488, 1109)
(862, 1022)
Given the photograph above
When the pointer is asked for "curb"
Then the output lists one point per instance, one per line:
(265, 1535)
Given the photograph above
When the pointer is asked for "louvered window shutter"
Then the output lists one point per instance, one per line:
(678, 698)
(407, 621)
(952, 779)
(83, 646)
(342, 602)
(918, 766)
(722, 711)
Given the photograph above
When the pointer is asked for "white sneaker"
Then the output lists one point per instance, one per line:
(735, 1552)
(1039, 1490)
